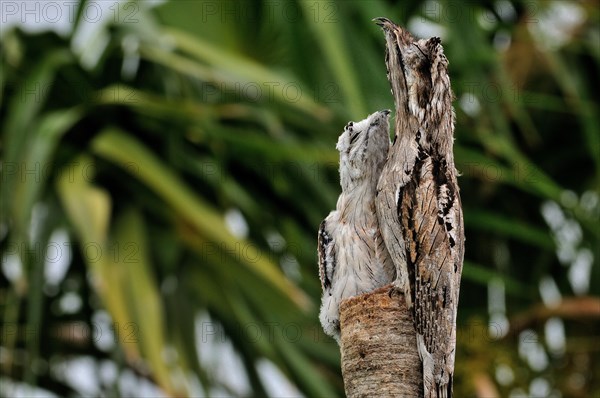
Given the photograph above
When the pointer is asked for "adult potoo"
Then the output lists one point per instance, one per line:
(418, 203)
(352, 257)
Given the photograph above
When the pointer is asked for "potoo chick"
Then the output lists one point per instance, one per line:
(352, 256)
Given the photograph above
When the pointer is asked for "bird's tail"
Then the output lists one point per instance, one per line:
(433, 387)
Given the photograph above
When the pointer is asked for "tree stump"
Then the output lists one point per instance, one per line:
(379, 346)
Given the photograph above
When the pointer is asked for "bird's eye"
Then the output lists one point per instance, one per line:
(353, 136)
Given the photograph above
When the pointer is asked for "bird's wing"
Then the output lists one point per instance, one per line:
(326, 251)
(430, 217)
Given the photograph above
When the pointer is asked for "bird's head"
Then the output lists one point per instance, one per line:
(363, 148)
(418, 74)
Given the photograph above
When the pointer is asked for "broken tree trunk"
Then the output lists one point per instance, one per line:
(378, 347)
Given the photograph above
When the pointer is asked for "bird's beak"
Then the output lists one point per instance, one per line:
(401, 37)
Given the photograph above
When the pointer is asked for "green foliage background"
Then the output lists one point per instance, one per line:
(135, 146)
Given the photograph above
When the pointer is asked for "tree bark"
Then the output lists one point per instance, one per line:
(379, 346)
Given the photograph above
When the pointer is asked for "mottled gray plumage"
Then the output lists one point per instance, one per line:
(418, 202)
(352, 257)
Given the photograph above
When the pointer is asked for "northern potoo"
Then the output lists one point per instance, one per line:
(418, 203)
(352, 257)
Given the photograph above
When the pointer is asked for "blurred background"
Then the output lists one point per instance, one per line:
(166, 165)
